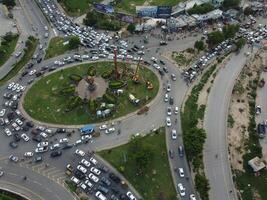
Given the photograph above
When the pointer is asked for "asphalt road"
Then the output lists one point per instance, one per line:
(215, 122)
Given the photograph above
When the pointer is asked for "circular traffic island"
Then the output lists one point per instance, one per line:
(90, 93)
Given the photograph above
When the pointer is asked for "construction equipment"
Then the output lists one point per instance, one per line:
(149, 85)
(117, 74)
(136, 74)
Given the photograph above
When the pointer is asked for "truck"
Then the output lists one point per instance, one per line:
(133, 99)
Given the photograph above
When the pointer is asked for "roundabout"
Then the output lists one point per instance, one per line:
(90, 93)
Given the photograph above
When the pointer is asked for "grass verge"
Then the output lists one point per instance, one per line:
(193, 136)
(156, 182)
(7, 48)
(31, 45)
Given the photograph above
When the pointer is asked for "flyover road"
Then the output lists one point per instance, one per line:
(217, 168)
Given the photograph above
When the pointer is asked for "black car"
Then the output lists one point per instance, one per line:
(67, 146)
(103, 189)
(37, 138)
(13, 144)
(38, 159)
(162, 62)
(30, 124)
(25, 128)
(171, 101)
(115, 178)
(39, 60)
(165, 69)
(30, 65)
(61, 130)
(56, 154)
(24, 73)
(115, 191)
(105, 181)
(123, 197)
(10, 116)
(79, 174)
(161, 72)
(103, 168)
(16, 137)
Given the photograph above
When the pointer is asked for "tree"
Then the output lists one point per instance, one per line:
(199, 45)
(201, 9)
(74, 42)
(202, 186)
(91, 19)
(131, 28)
(229, 31)
(9, 3)
(215, 38)
(248, 11)
(231, 3)
(240, 43)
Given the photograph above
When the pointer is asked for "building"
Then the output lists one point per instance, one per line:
(256, 164)
(217, 3)
(212, 15)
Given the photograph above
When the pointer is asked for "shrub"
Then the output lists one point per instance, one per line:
(109, 98)
(92, 105)
(116, 84)
(91, 71)
(75, 77)
(107, 74)
(73, 103)
(67, 90)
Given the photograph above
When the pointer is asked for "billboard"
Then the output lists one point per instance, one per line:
(146, 11)
(125, 18)
(104, 8)
(164, 11)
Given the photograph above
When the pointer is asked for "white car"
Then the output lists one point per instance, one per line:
(42, 144)
(15, 87)
(48, 131)
(64, 140)
(94, 161)
(82, 169)
(43, 134)
(110, 130)
(181, 172)
(86, 137)
(83, 186)
(79, 152)
(41, 149)
(95, 171)
(28, 154)
(2, 112)
(55, 146)
(168, 87)
(130, 195)
(10, 85)
(8, 132)
(25, 137)
(192, 197)
(32, 72)
(100, 196)
(85, 162)
(78, 142)
(103, 127)
(174, 134)
(89, 184)
(166, 98)
(176, 110)
(93, 177)
(181, 189)
(75, 180)
(169, 111)
(168, 121)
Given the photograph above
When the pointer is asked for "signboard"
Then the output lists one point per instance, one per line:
(104, 8)
(164, 11)
(125, 18)
(146, 11)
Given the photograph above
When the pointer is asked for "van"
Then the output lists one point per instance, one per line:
(181, 151)
(100, 196)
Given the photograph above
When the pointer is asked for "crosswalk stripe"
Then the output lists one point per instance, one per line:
(50, 169)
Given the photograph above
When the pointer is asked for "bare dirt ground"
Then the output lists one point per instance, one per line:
(239, 111)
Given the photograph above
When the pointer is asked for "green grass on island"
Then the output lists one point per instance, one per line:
(156, 182)
(7, 48)
(42, 104)
(77, 7)
(56, 47)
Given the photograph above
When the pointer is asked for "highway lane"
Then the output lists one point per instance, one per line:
(217, 168)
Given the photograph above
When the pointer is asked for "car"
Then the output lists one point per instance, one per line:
(181, 151)
(169, 111)
(29, 124)
(174, 134)
(162, 62)
(44, 135)
(13, 144)
(166, 98)
(171, 153)
(171, 101)
(41, 149)
(168, 87)
(103, 189)
(48, 131)
(93, 160)
(181, 189)
(83, 186)
(103, 127)
(67, 146)
(2, 112)
(131, 196)
(93, 177)
(42, 144)
(13, 158)
(168, 121)
(64, 140)
(2, 122)
(37, 138)
(115, 178)
(192, 197)
(173, 77)
(105, 181)
(181, 172)
(82, 169)
(38, 159)
(85, 162)
(61, 130)
(16, 137)
(95, 171)
(56, 154)
(113, 197)
(110, 130)
(100, 196)
(55, 146)
(32, 72)
(25, 137)
(75, 180)
(86, 137)
(176, 110)
(89, 184)
(8, 132)
(10, 85)
(79, 152)
(1, 172)
(28, 154)
(258, 110)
